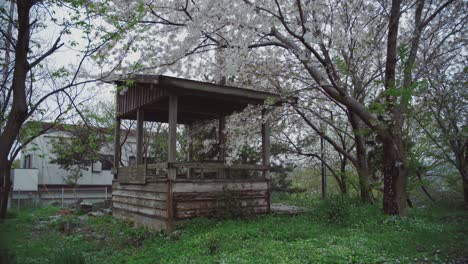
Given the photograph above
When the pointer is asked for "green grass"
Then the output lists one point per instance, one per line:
(363, 235)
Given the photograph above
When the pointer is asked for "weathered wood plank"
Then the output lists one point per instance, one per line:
(200, 87)
(217, 165)
(189, 205)
(237, 181)
(185, 214)
(184, 196)
(153, 222)
(140, 209)
(141, 194)
(218, 186)
(156, 179)
(137, 96)
(132, 174)
(162, 165)
(140, 202)
(149, 187)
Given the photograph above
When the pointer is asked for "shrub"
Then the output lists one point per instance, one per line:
(334, 209)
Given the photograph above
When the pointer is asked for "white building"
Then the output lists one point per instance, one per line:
(40, 179)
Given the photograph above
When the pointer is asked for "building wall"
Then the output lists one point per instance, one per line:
(40, 154)
(25, 179)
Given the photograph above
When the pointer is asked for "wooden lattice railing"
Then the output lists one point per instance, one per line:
(139, 174)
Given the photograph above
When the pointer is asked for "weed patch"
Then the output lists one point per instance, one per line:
(333, 231)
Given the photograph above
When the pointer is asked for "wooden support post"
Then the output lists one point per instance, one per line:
(172, 139)
(115, 169)
(266, 154)
(222, 144)
(139, 147)
(265, 144)
(189, 149)
(172, 155)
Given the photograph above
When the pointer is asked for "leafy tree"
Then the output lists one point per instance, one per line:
(444, 120)
(34, 86)
(79, 149)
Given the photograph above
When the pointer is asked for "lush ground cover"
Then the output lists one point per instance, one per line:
(337, 230)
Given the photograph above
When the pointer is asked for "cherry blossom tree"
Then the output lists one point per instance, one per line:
(334, 49)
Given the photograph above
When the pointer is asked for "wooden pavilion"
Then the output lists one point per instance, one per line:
(159, 195)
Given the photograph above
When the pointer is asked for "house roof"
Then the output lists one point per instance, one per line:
(196, 100)
(50, 126)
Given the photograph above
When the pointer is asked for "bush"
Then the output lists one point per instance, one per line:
(334, 209)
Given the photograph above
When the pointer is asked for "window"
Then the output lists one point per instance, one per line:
(107, 162)
(131, 160)
(96, 166)
(27, 162)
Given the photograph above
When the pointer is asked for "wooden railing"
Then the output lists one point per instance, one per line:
(138, 174)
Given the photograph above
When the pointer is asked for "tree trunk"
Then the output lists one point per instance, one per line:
(465, 192)
(5, 187)
(19, 108)
(464, 174)
(363, 172)
(395, 176)
(423, 188)
(461, 164)
(361, 157)
(342, 183)
(394, 155)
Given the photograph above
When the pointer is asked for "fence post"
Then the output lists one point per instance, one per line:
(18, 200)
(105, 191)
(62, 195)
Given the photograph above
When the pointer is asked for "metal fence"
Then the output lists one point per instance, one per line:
(59, 196)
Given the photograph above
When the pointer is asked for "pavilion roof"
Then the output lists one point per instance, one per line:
(196, 100)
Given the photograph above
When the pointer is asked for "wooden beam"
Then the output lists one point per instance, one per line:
(115, 169)
(191, 85)
(217, 165)
(172, 139)
(200, 87)
(156, 115)
(161, 165)
(189, 149)
(222, 144)
(265, 142)
(116, 148)
(139, 149)
(172, 155)
(266, 154)
(222, 138)
(193, 110)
